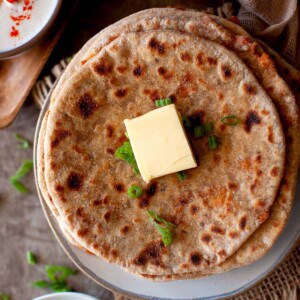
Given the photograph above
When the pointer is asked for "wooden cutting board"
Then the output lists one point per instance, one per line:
(18, 75)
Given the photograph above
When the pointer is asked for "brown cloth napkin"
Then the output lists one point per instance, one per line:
(276, 22)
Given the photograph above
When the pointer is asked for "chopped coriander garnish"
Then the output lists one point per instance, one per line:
(125, 153)
(208, 128)
(25, 168)
(31, 258)
(59, 273)
(60, 287)
(181, 175)
(168, 101)
(186, 122)
(134, 191)
(230, 120)
(199, 131)
(40, 284)
(162, 226)
(212, 142)
(24, 144)
(57, 287)
(163, 102)
(57, 276)
(18, 185)
(126, 134)
(4, 296)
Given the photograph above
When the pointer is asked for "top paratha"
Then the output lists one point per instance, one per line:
(258, 244)
(104, 82)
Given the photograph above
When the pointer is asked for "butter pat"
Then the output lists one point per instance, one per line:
(159, 143)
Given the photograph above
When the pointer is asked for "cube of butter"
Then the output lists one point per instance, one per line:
(159, 143)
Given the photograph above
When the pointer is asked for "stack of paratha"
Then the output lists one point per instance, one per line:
(231, 208)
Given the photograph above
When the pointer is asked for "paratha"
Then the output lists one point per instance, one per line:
(278, 229)
(251, 53)
(254, 107)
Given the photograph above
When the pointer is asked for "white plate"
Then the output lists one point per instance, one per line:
(65, 296)
(213, 287)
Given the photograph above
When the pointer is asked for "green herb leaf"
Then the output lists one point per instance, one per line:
(31, 258)
(125, 153)
(157, 103)
(40, 284)
(230, 120)
(60, 287)
(134, 191)
(25, 168)
(58, 273)
(18, 185)
(164, 228)
(163, 102)
(212, 142)
(57, 276)
(181, 175)
(4, 297)
(199, 131)
(25, 144)
(168, 101)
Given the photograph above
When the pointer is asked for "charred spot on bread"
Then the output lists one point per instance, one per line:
(86, 106)
(75, 181)
(195, 258)
(251, 119)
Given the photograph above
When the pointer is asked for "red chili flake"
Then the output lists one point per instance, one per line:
(14, 32)
(18, 18)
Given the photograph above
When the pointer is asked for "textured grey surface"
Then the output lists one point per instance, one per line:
(23, 226)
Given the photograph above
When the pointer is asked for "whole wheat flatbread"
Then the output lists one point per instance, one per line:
(275, 225)
(230, 181)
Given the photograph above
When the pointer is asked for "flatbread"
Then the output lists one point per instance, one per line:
(258, 244)
(252, 54)
(78, 129)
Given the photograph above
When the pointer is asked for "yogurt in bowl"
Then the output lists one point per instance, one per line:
(24, 22)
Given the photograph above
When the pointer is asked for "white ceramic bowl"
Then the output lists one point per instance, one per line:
(31, 30)
(65, 296)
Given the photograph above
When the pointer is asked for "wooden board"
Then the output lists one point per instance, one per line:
(18, 75)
